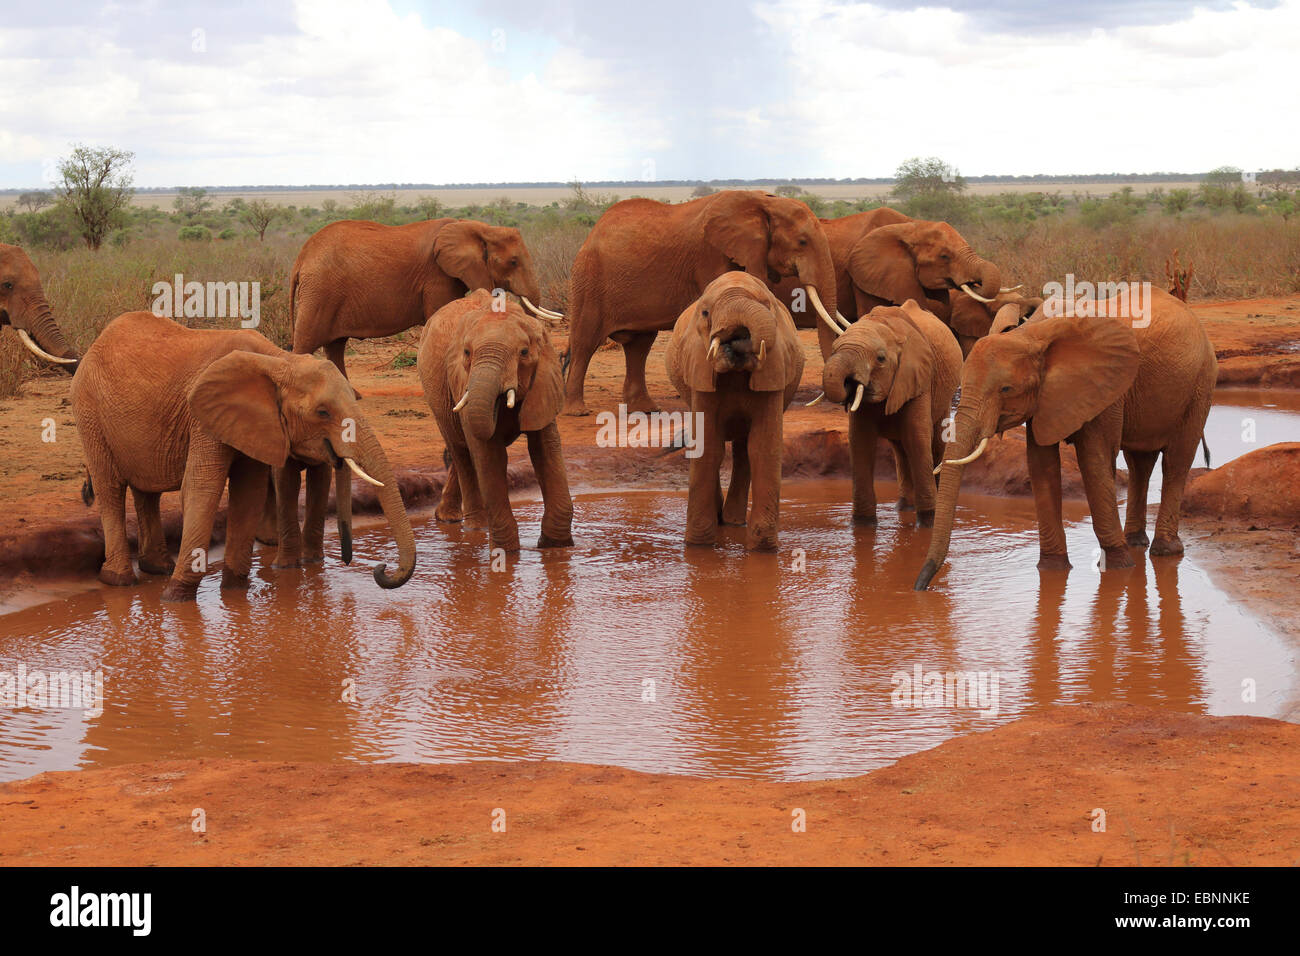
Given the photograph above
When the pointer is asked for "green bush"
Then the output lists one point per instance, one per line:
(195, 234)
(228, 234)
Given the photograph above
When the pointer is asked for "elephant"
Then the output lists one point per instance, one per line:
(972, 319)
(161, 407)
(645, 261)
(23, 305)
(357, 279)
(490, 373)
(895, 371)
(1141, 384)
(920, 260)
(736, 359)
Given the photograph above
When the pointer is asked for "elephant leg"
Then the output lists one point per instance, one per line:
(1097, 452)
(334, 351)
(288, 480)
(448, 509)
(862, 456)
(490, 463)
(1139, 465)
(248, 480)
(903, 471)
(110, 493)
(313, 518)
(557, 504)
(1176, 463)
(737, 500)
(154, 558)
(268, 530)
(918, 455)
(1044, 463)
(703, 498)
(636, 351)
(582, 346)
(205, 478)
(765, 449)
(470, 495)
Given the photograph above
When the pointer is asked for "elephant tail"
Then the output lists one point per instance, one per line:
(1205, 450)
(88, 492)
(293, 301)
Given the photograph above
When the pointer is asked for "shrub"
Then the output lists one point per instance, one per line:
(195, 233)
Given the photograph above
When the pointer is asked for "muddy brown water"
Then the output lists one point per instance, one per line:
(630, 649)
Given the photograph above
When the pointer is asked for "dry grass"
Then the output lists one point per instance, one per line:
(1234, 257)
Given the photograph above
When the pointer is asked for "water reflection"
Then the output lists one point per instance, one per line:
(630, 649)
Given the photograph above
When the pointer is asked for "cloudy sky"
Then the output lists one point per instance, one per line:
(377, 91)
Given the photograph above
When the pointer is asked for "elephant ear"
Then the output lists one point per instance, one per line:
(881, 264)
(693, 364)
(780, 361)
(736, 224)
(1088, 365)
(1008, 318)
(454, 358)
(236, 399)
(546, 395)
(915, 358)
(968, 317)
(460, 250)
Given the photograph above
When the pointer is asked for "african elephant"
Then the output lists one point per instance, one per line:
(490, 373)
(356, 279)
(1141, 384)
(161, 407)
(23, 305)
(918, 260)
(895, 370)
(971, 320)
(736, 359)
(646, 261)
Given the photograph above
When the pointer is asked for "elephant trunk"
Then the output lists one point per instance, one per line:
(969, 435)
(486, 378)
(372, 459)
(817, 271)
(47, 335)
(837, 368)
(343, 510)
(987, 275)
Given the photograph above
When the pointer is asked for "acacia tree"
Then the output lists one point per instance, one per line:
(96, 188)
(259, 214)
(930, 189)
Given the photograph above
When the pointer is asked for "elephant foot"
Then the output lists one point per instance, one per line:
(925, 519)
(762, 542)
(117, 579)
(447, 514)
(268, 533)
(731, 521)
(309, 559)
(177, 592)
(1118, 558)
(575, 408)
(641, 403)
(905, 504)
(547, 541)
(284, 560)
(1053, 562)
(233, 581)
(163, 567)
(1137, 539)
(865, 517)
(1166, 547)
(701, 539)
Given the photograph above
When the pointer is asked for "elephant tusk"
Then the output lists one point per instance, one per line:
(965, 287)
(461, 404)
(820, 396)
(538, 310)
(979, 450)
(30, 342)
(510, 398)
(713, 347)
(1012, 288)
(821, 310)
(857, 399)
(762, 350)
(356, 469)
(841, 320)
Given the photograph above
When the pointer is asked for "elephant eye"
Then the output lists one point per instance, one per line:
(880, 356)
(8, 286)
(1005, 389)
(705, 313)
(467, 353)
(803, 242)
(322, 412)
(524, 352)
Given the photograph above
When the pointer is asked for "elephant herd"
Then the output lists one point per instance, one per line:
(160, 407)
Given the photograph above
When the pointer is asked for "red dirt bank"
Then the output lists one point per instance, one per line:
(1177, 790)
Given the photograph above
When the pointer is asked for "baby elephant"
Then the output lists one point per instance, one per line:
(489, 373)
(895, 370)
(736, 359)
